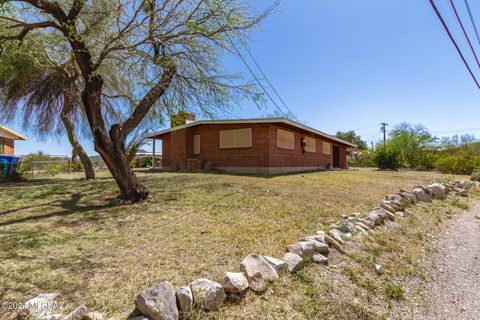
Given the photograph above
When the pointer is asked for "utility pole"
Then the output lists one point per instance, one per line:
(384, 129)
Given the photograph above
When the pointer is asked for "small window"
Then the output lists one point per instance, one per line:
(285, 139)
(240, 138)
(310, 144)
(326, 148)
(196, 144)
(1, 145)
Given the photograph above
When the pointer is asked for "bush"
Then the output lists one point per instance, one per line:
(460, 164)
(364, 159)
(147, 162)
(427, 161)
(387, 158)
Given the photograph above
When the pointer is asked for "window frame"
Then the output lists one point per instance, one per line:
(286, 147)
(196, 148)
(235, 132)
(314, 147)
(325, 143)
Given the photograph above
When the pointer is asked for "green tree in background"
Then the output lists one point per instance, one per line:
(352, 137)
(412, 141)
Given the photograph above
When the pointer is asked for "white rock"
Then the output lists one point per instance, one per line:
(320, 237)
(375, 218)
(438, 190)
(56, 316)
(37, 307)
(378, 269)
(279, 265)
(306, 250)
(184, 298)
(320, 259)
(158, 303)
(234, 282)
(95, 315)
(461, 192)
(337, 235)
(422, 195)
(254, 263)
(319, 247)
(207, 294)
(257, 283)
(294, 262)
(78, 313)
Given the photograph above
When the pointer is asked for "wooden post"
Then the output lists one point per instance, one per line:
(153, 154)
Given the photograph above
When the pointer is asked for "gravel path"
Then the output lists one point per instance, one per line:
(455, 291)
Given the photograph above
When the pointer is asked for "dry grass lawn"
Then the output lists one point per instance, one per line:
(63, 235)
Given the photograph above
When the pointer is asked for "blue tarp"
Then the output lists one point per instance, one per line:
(8, 164)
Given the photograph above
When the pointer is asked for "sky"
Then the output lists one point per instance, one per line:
(349, 65)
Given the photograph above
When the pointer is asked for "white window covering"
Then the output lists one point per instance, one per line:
(327, 148)
(310, 144)
(285, 139)
(196, 144)
(240, 138)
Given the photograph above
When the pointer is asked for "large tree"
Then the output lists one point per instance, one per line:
(44, 95)
(352, 137)
(171, 49)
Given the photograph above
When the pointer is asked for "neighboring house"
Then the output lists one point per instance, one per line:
(7, 141)
(267, 146)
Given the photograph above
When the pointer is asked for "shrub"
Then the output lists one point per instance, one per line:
(147, 162)
(394, 291)
(387, 158)
(364, 159)
(459, 164)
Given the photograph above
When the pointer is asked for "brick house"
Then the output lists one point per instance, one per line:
(7, 141)
(266, 146)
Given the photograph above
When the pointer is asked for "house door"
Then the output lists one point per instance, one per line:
(336, 157)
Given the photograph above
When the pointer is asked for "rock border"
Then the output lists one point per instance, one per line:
(163, 302)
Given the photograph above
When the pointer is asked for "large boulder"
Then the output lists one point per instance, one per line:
(438, 190)
(158, 303)
(234, 282)
(408, 195)
(294, 262)
(422, 195)
(184, 298)
(375, 218)
(279, 265)
(207, 294)
(254, 263)
(304, 249)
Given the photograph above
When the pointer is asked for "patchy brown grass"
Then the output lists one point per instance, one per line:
(63, 235)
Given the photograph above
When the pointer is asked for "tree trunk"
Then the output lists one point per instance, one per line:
(72, 137)
(111, 147)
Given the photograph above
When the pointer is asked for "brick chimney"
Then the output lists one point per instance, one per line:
(181, 118)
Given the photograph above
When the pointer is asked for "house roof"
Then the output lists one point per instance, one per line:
(253, 121)
(10, 134)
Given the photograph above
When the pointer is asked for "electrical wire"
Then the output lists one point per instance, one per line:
(472, 20)
(439, 15)
(464, 32)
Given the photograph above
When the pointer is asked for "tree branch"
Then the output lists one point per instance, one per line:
(26, 28)
(150, 98)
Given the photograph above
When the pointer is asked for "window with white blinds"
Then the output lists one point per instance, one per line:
(327, 148)
(240, 138)
(196, 144)
(285, 139)
(310, 144)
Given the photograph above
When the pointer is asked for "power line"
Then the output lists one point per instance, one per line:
(472, 20)
(464, 32)
(251, 71)
(439, 15)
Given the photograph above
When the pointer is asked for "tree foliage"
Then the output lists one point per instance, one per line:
(352, 137)
(172, 50)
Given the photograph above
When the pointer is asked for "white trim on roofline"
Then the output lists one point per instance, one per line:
(253, 121)
(10, 134)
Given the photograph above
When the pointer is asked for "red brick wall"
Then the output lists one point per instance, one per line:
(166, 151)
(177, 147)
(8, 147)
(255, 156)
